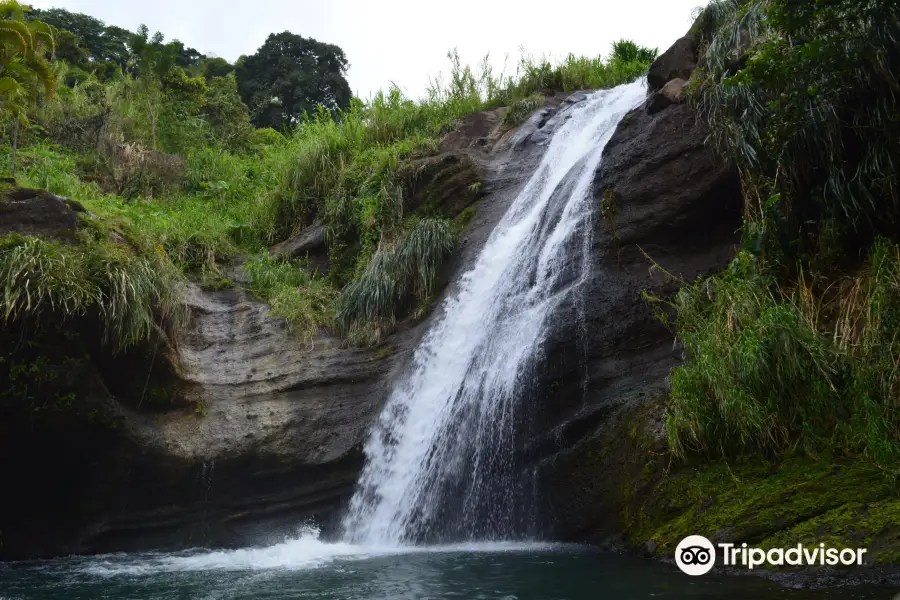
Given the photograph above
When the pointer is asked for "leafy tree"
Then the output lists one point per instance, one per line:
(67, 49)
(154, 59)
(106, 46)
(226, 114)
(25, 73)
(290, 75)
(187, 57)
(114, 47)
(183, 99)
(215, 66)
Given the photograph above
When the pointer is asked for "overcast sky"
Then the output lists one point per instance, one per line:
(403, 41)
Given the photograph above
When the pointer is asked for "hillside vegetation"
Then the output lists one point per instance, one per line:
(795, 346)
(191, 167)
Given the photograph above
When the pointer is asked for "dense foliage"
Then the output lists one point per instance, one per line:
(25, 74)
(290, 76)
(129, 293)
(796, 342)
(86, 43)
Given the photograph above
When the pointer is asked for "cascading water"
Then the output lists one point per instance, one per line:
(440, 458)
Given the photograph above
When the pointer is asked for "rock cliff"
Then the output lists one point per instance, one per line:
(265, 431)
(662, 198)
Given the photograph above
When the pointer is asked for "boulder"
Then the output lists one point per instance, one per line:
(478, 128)
(309, 244)
(38, 212)
(678, 62)
(446, 183)
(671, 93)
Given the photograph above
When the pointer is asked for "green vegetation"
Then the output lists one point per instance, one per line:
(191, 167)
(129, 293)
(626, 62)
(797, 500)
(26, 77)
(522, 109)
(303, 300)
(795, 345)
(291, 75)
(408, 266)
(771, 366)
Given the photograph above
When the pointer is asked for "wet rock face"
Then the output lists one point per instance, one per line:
(673, 203)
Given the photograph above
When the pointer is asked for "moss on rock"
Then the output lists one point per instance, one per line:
(842, 503)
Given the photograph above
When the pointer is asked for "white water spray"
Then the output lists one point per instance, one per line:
(446, 433)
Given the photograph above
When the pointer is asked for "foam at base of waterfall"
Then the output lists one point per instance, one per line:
(305, 551)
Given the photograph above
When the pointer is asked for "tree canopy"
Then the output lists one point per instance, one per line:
(290, 75)
(103, 44)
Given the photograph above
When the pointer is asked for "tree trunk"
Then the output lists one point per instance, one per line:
(15, 146)
(153, 127)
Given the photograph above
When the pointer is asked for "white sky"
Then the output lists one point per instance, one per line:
(403, 41)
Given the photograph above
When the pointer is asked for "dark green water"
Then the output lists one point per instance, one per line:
(310, 569)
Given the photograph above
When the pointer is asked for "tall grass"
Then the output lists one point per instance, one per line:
(770, 366)
(128, 293)
(626, 62)
(395, 273)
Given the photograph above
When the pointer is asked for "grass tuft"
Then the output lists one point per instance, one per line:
(127, 292)
(302, 300)
(394, 274)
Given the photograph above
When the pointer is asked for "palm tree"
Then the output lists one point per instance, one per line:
(25, 72)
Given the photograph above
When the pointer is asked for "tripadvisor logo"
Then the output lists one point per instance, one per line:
(696, 555)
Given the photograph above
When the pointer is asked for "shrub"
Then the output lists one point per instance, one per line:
(522, 109)
(768, 366)
(304, 301)
(395, 273)
(757, 372)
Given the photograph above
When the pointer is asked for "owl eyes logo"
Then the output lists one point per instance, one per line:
(695, 555)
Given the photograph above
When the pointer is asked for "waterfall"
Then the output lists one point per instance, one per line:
(440, 461)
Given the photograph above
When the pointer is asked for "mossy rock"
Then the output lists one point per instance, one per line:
(773, 504)
(443, 185)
